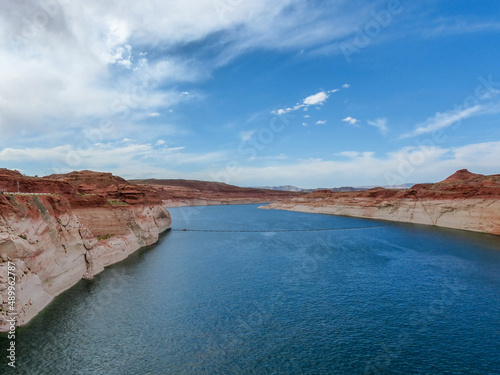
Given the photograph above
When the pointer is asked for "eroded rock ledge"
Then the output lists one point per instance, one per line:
(56, 240)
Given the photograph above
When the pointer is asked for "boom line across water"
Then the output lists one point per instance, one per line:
(275, 230)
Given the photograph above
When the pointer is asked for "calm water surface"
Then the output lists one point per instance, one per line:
(390, 299)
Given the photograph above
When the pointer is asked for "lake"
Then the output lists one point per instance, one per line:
(250, 291)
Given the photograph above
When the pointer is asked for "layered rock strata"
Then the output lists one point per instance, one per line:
(57, 239)
(464, 201)
(179, 193)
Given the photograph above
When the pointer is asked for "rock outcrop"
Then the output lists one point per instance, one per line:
(177, 193)
(464, 200)
(81, 223)
(63, 228)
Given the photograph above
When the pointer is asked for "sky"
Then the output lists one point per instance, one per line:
(308, 93)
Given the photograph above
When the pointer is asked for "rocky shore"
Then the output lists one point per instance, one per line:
(78, 225)
(63, 228)
(464, 201)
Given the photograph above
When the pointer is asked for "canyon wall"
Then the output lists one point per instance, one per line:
(464, 201)
(181, 193)
(479, 215)
(66, 227)
(58, 239)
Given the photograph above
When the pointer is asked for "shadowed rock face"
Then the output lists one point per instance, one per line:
(464, 200)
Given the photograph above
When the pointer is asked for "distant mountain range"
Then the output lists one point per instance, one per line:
(338, 189)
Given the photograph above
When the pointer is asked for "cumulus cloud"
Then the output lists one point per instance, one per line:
(70, 62)
(316, 99)
(320, 122)
(406, 165)
(136, 159)
(127, 158)
(313, 100)
(350, 120)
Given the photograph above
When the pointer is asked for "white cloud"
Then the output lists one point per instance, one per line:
(320, 122)
(346, 86)
(479, 155)
(407, 165)
(134, 159)
(443, 120)
(316, 99)
(380, 124)
(154, 114)
(349, 154)
(457, 26)
(313, 100)
(350, 120)
(160, 142)
(127, 159)
(307, 116)
(90, 58)
(304, 124)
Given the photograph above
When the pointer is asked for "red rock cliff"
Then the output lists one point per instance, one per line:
(464, 200)
(85, 222)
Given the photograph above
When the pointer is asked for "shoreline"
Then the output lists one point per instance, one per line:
(54, 248)
(205, 203)
(145, 225)
(480, 215)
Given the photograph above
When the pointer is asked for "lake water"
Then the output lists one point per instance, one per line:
(369, 297)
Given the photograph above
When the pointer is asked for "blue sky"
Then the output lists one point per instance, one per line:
(307, 93)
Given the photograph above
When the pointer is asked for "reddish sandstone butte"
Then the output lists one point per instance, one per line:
(462, 175)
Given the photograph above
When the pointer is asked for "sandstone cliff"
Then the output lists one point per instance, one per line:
(89, 221)
(63, 228)
(177, 193)
(464, 200)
